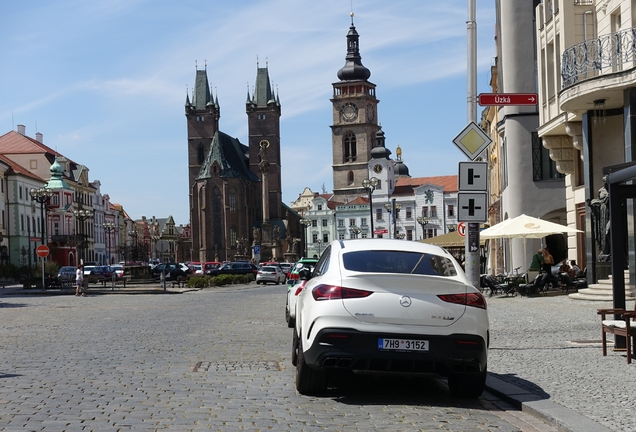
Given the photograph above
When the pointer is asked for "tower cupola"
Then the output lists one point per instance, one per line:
(353, 68)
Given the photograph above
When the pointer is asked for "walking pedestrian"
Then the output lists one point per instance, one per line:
(79, 281)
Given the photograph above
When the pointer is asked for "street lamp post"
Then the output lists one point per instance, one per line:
(306, 222)
(369, 185)
(82, 215)
(109, 228)
(393, 208)
(319, 247)
(41, 195)
(423, 221)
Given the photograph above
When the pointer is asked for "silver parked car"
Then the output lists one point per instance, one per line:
(270, 274)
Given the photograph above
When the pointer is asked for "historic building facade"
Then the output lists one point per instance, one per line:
(235, 189)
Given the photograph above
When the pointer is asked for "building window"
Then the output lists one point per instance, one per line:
(55, 201)
(20, 191)
(341, 223)
(314, 223)
(314, 238)
(350, 178)
(378, 214)
(22, 222)
(350, 148)
(433, 211)
(341, 236)
(379, 186)
(409, 235)
(409, 213)
(363, 221)
(325, 238)
(232, 201)
(352, 222)
(319, 207)
(543, 168)
(364, 235)
(200, 154)
(451, 210)
(431, 233)
(324, 222)
(424, 211)
(56, 228)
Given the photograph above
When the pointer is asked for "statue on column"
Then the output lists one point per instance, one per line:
(257, 236)
(264, 163)
(601, 223)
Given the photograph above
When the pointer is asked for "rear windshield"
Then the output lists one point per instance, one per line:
(398, 262)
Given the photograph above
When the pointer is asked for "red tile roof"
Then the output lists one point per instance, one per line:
(406, 185)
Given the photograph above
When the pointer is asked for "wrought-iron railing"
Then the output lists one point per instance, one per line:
(606, 54)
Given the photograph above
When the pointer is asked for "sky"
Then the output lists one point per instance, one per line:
(105, 82)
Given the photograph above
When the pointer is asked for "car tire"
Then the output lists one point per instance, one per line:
(467, 385)
(257, 282)
(309, 382)
(294, 357)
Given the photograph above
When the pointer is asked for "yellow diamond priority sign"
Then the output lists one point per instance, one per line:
(472, 141)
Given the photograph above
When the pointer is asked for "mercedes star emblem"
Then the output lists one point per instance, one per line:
(405, 301)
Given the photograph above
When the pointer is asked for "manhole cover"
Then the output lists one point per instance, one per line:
(259, 365)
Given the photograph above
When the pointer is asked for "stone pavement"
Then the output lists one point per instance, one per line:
(218, 360)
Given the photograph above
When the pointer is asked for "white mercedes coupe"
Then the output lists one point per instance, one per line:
(379, 306)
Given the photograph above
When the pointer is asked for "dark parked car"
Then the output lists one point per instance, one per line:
(98, 274)
(173, 271)
(234, 268)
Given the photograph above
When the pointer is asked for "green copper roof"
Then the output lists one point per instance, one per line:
(231, 157)
(57, 181)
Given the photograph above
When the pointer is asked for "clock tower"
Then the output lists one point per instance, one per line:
(354, 122)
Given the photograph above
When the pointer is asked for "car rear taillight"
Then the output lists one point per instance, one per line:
(467, 299)
(301, 285)
(332, 292)
(294, 276)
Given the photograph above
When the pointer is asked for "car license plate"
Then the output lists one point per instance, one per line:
(402, 345)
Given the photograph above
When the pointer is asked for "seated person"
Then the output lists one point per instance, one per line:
(565, 268)
(574, 269)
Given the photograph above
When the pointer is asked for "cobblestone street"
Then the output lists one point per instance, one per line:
(208, 360)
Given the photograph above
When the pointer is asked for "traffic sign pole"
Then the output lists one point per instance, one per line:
(42, 251)
(471, 139)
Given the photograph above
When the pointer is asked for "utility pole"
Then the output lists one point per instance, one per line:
(472, 257)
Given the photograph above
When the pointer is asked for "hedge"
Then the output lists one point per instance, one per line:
(211, 281)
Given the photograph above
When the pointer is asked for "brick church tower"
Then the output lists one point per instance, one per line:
(224, 179)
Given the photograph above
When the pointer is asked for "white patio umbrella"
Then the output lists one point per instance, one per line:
(525, 227)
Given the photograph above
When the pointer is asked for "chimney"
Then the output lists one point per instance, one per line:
(22, 130)
(38, 137)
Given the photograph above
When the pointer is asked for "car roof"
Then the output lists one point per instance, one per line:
(387, 244)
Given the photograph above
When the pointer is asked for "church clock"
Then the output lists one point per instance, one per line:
(349, 112)
(377, 169)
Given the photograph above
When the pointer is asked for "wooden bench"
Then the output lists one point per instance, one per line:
(622, 327)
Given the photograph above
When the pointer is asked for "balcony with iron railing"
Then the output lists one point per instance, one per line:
(604, 55)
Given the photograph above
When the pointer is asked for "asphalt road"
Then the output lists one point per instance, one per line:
(216, 359)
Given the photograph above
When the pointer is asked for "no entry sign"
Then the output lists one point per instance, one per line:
(42, 251)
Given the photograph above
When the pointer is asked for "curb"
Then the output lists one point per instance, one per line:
(565, 419)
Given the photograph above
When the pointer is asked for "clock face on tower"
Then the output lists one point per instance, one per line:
(349, 112)
(377, 169)
(370, 113)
